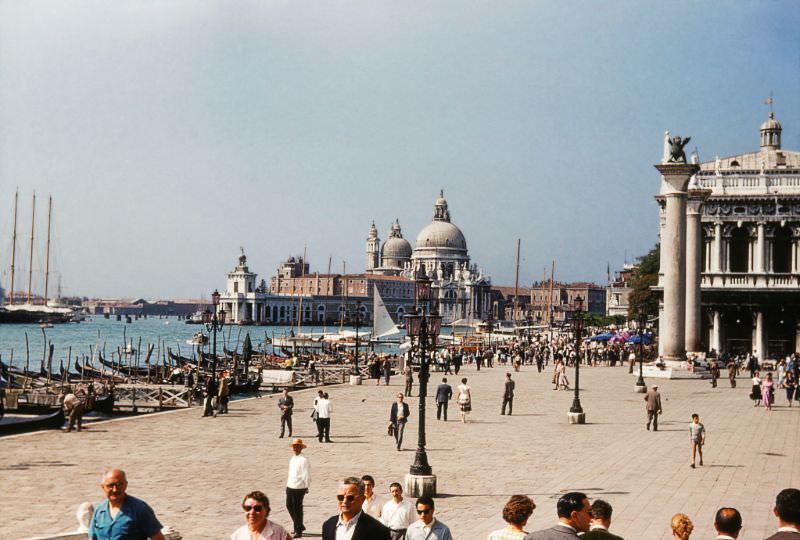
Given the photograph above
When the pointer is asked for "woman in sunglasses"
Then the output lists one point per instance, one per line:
(258, 527)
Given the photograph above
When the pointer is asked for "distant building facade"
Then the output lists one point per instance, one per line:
(619, 291)
(555, 303)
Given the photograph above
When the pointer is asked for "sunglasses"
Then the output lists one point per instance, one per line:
(425, 511)
(113, 485)
(254, 508)
(348, 498)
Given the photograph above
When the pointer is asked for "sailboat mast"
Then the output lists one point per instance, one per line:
(13, 247)
(47, 253)
(30, 250)
(516, 287)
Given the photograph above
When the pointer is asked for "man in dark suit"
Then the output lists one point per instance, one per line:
(508, 395)
(398, 416)
(286, 405)
(600, 523)
(653, 399)
(787, 510)
(728, 523)
(573, 517)
(365, 527)
(444, 392)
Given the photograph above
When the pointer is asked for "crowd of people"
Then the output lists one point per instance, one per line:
(363, 515)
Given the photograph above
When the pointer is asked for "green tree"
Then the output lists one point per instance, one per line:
(645, 276)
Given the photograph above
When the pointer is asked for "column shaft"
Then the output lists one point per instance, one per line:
(694, 247)
(716, 251)
(674, 260)
(760, 250)
(716, 332)
(672, 325)
(760, 344)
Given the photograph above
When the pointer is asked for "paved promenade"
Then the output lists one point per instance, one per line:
(194, 471)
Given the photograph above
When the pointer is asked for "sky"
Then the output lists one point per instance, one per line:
(170, 133)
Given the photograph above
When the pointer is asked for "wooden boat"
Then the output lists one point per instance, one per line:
(126, 369)
(21, 424)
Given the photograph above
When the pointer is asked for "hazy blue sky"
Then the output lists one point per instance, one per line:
(170, 133)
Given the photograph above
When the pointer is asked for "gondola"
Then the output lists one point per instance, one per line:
(104, 404)
(124, 368)
(180, 360)
(22, 424)
(89, 372)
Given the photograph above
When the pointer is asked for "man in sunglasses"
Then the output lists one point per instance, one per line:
(352, 523)
(122, 516)
(427, 527)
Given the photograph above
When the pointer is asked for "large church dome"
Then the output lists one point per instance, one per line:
(441, 233)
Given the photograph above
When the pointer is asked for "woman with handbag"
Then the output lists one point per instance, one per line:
(464, 399)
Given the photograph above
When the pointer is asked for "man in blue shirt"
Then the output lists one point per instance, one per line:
(122, 516)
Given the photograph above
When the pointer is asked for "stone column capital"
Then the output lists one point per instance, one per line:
(695, 200)
(676, 177)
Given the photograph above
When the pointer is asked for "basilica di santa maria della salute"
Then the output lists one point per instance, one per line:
(460, 288)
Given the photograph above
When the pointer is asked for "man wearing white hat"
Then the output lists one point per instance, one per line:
(297, 486)
(653, 400)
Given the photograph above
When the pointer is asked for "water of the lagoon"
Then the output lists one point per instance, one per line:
(108, 334)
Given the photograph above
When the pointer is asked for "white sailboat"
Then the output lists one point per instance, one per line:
(382, 325)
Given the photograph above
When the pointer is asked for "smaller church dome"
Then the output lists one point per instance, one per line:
(396, 247)
(771, 123)
(771, 133)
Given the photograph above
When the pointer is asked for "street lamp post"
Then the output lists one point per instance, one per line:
(576, 414)
(424, 326)
(356, 378)
(641, 386)
(214, 321)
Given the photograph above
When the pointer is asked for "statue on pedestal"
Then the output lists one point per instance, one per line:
(676, 153)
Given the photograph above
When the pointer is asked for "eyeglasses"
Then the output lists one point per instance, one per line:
(424, 511)
(254, 508)
(114, 485)
(348, 498)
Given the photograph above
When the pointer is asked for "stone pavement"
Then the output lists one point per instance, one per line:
(194, 471)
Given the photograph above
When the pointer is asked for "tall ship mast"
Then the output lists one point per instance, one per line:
(29, 312)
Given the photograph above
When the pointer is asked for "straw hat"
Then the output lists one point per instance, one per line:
(298, 442)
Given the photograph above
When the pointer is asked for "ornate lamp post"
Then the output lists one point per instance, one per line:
(214, 321)
(576, 414)
(641, 386)
(356, 318)
(423, 327)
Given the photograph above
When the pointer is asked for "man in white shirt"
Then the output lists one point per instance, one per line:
(398, 513)
(728, 523)
(373, 503)
(297, 486)
(324, 408)
(427, 527)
